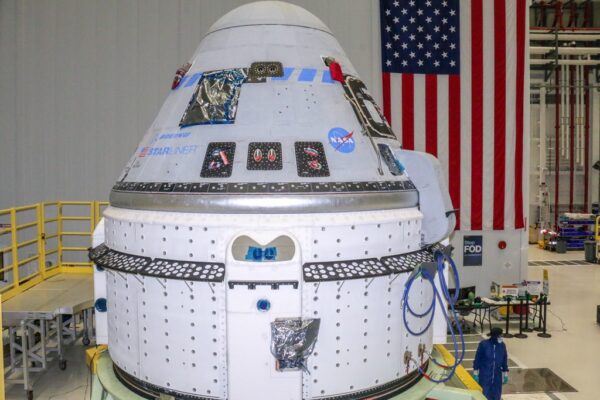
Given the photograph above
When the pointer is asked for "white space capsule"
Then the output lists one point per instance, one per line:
(258, 243)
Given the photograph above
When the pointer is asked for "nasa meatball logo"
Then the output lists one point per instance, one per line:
(341, 140)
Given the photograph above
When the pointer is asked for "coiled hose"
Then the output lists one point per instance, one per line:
(442, 260)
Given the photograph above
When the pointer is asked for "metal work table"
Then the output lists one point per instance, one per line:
(480, 311)
(39, 311)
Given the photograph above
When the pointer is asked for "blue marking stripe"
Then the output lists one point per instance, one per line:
(327, 77)
(307, 75)
(182, 81)
(287, 72)
(193, 79)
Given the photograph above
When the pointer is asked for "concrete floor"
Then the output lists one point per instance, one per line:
(572, 352)
(54, 384)
(574, 349)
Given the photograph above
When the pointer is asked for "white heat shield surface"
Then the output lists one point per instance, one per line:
(178, 334)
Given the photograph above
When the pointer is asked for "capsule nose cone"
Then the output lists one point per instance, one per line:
(269, 13)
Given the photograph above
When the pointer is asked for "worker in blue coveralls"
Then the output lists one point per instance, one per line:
(490, 368)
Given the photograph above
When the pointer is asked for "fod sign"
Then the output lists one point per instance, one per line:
(473, 251)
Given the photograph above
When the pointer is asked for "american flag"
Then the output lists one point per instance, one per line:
(455, 82)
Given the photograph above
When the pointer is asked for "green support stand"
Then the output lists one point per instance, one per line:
(106, 386)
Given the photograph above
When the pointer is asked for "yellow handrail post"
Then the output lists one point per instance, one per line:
(59, 229)
(41, 239)
(94, 216)
(98, 211)
(15, 247)
(92, 220)
(1, 357)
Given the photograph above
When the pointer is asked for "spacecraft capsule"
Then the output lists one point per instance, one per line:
(259, 240)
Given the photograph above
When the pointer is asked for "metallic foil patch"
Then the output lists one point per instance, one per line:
(293, 340)
(215, 98)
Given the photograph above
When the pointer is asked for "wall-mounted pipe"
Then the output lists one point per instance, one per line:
(541, 20)
(542, 187)
(578, 29)
(588, 13)
(548, 61)
(586, 147)
(572, 14)
(564, 50)
(571, 138)
(576, 115)
(564, 118)
(580, 128)
(566, 37)
(581, 113)
(557, 127)
(558, 15)
(537, 86)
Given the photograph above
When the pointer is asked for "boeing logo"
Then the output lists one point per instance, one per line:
(168, 150)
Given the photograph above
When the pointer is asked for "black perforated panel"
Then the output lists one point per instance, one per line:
(97, 251)
(343, 270)
(311, 160)
(367, 268)
(408, 262)
(121, 262)
(185, 270)
(264, 156)
(158, 267)
(218, 161)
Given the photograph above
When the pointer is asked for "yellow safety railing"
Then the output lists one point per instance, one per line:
(2, 390)
(43, 239)
(462, 374)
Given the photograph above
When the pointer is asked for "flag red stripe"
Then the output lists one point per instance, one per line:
(454, 142)
(408, 111)
(476, 114)
(431, 114)
(499, 112)
(387, 97)
(519, 123)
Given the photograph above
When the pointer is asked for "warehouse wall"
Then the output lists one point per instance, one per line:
(547, 214)
(81, 81)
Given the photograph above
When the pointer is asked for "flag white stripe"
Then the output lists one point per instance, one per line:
(511, 71)
(465, 117)
(488, 115)
(442, 122)
(396, 103)
(419, 112)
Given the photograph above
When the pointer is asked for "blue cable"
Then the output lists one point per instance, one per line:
(452, 301)
(436, 296)
(406, 306)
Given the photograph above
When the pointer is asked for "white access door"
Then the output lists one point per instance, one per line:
(258, 293)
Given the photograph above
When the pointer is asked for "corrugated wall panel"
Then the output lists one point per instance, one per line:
(8, 102)
(81, 81)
